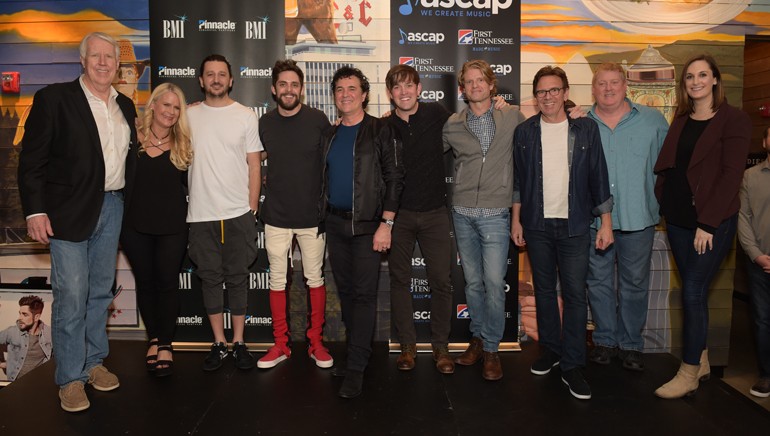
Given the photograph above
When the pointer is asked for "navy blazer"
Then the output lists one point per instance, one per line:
(61, 165)
(716, 167)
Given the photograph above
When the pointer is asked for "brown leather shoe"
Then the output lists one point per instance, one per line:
(472, 354)
(444, 363)
(492, 368)
(405, 361)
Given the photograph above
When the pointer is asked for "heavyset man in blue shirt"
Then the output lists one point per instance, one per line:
(632, 136)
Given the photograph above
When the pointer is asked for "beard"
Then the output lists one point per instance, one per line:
(288, 107)
(24, 327)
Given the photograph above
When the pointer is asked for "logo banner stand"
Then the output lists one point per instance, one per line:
(436, 40)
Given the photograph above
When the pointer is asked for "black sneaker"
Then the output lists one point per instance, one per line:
(545, 362)
(602, 355)
(576, 383)
(243, 359)
(632, 360)
(762, 388)
(215, 357)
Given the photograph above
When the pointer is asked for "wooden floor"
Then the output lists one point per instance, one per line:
(297, 398)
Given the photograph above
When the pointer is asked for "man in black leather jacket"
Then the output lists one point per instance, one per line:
(362, 182)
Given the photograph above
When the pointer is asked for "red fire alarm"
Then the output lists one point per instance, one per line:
(764, 110)
(11, 82)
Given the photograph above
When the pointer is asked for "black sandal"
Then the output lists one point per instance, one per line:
(151, 361)
(164, 368)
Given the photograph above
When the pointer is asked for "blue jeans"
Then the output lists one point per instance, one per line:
(697, 271)
(759, 292)
(483, 247)
(551, 252)
(620, 315)
(82, 275)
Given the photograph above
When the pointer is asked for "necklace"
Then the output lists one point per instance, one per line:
(162, 140)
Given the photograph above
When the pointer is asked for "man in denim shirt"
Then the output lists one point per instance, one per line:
(29, 341)
(554, 213)
(632, 136)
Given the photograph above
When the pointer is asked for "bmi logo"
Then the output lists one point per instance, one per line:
(174, 29)
(406, 60)
(465, 36)
(462, 312)
(256, 29)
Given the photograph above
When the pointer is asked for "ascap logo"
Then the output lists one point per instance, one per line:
(174, 29)
(418, 261)
(421, 315)
(184, 72)
(468, 8)
(501, 69)
(250, 73)
(256, 29)
(462, 312)
(189, 320)
(422, 38)
(216, 26)
(432, 95)
(259, 320)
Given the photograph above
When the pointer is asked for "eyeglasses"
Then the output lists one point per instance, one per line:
(540, 93)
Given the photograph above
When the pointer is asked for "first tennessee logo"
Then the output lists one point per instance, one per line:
(465, 36)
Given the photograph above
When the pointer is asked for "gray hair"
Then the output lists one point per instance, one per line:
(104, 37)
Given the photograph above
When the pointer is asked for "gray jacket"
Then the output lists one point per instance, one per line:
(482, 182)
(18, 341)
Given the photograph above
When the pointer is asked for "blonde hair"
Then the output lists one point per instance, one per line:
(181, 146)
(486, 71)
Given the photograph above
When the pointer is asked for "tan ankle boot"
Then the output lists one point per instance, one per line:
(704, 370)
(685, 382)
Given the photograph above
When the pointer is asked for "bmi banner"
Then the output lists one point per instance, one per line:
(251, 36)
(436, 38)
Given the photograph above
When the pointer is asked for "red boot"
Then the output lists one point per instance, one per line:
(317, 351)
(280, 351)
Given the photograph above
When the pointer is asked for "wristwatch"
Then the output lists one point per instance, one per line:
(388, 222)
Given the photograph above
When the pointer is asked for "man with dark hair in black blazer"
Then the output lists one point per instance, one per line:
(71, 177)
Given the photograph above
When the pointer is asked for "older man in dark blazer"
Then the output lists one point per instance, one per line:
(71, 176)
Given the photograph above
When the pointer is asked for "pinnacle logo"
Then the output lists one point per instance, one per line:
(259, 320)
(251, 73)
(216, 26)
(185, 72)
(194, 320)
(174, 29)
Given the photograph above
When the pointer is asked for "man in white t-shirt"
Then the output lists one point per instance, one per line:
(224, 182)
(552, 216)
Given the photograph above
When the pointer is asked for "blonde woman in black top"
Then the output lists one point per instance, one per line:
(154, 234)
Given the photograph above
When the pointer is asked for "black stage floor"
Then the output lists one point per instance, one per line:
(296, 398)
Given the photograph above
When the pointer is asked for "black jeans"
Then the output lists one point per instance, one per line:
(156, 261)
(431, 230)
(356, 269)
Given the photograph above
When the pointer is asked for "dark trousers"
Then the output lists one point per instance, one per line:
(697, 271)
(156, 261)
(431, 230)
(356, 269)
(759, 292)
(553, 252)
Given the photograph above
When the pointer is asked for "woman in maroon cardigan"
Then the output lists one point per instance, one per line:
(699, 173)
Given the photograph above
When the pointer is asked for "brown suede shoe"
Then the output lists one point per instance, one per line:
(472, 354)
(405, 361)
(492, 368)
(73, 397)
(102, 379)
(444, 363)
